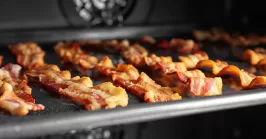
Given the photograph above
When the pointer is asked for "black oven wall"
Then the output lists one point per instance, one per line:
(25, 14)
(43, 14)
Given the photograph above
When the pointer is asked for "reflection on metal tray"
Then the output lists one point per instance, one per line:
(61, 115)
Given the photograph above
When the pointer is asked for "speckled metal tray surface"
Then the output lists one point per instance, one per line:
(62, 115)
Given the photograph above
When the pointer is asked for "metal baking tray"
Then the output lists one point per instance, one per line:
(62, 115)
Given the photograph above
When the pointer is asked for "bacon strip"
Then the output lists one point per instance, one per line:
(15, 93)
(255, 57)
(1, 60)
(191, 60)
(116, 44)
(13, 104)
(80, 90)
(167, 66)
(232, 39)
(135, 54)
(29, 55)
(180, 45)
(140, 85)
(71, 53)
(221, 68)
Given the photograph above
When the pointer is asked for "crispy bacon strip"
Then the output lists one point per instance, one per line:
(180, 45)
(14, 104)
(191, 60)
(1, 60)
(185, 75)
(216, 66)
(71, 53)
(140, 85)
(81, 89)
(172, 67)
(135, 54)
(221, 68)
(29, 55)
(198, 85)
(104, 95)
(153, 61)
(116, 44)
(15, 93)
(138, 56)
(205, 86)
(10, 73)
(232, 39)
(255, 57)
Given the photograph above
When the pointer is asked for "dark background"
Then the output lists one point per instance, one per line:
(44, 14)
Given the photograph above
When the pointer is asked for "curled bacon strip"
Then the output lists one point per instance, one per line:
(10, 73)
(220, 68)
(1, 60)
(138, 56)
(80, 90)
(116, 44)
(180, 45)
(140, 85)
(71, 53)
(135, 54)
(29, 55)
(15, 93)
(255, 57)
(191, 60)
(12, 103)
(232, 39)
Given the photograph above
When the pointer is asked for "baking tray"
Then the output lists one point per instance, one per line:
(61, 115)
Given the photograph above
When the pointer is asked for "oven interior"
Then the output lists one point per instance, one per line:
(57, 20)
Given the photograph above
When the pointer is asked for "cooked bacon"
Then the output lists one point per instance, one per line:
(104, 95)
(148, 40)
(256, 58)
(172, 67)
(116, 44)
(135, 55)
(153, 61)
(185, 75)
(105, 66)
(13, 104)
(220, 68)
(216, 66)
(1, 60)
(10, 73)
(163, 63)
(244, 76)
(258, 82)
(183, 46)
(15, 93)
(29, 55)
(191, 60)
(205, 86)
(140, 85)
(71, 53)
(232, 39)
(180, 45)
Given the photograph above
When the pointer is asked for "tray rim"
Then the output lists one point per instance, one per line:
(67, 121)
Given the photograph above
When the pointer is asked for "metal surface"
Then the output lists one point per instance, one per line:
(61, 115)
